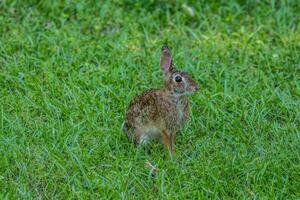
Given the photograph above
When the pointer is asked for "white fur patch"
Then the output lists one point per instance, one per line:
(144, 139)
(148, 133)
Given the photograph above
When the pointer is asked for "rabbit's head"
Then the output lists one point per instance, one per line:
(178, 83)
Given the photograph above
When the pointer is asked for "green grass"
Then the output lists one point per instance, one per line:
(68, 71)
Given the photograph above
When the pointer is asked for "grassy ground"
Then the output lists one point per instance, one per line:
(68, 71)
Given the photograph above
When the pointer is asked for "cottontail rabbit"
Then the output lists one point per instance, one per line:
(159, 113)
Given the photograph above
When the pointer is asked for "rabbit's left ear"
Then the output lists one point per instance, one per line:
(165, 59)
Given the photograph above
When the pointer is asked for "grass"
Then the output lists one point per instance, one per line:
(68, 70)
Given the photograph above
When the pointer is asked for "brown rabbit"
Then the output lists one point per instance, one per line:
(159, 113)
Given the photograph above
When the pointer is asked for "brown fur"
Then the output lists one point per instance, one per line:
(159, 113)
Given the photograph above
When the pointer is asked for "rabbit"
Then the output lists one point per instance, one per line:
(159, 113)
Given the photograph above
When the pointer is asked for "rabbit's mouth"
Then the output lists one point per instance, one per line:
(180, 93)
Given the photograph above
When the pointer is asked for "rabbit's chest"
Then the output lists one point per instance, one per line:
(181, 112)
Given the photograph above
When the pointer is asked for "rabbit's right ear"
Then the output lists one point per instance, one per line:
(166, 59)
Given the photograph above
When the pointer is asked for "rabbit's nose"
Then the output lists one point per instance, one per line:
(194, 88)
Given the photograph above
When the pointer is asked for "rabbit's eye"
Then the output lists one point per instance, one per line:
(178, 79)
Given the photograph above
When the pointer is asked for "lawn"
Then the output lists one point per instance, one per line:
(68, 70)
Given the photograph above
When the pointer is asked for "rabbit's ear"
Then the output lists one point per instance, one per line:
(165, 59)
